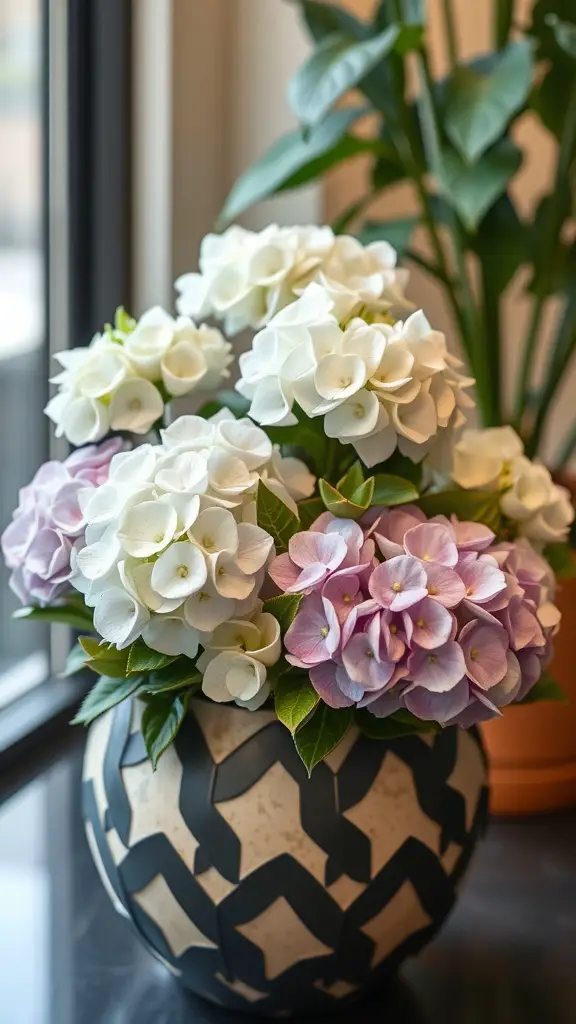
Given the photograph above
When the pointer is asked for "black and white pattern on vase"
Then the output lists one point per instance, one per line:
(263, 890)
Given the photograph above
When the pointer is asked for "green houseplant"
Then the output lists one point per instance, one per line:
(453, 142)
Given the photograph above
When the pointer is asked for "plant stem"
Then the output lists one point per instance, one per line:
(549, 242)
(450, 32)
(493, 343)
(503, 15)
(558, 364)
(527, 360)
(431, 268)
(568, 449)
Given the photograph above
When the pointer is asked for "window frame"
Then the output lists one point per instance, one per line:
(86, 155)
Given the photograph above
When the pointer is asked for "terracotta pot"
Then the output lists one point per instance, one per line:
(263, 890)
(532, 749)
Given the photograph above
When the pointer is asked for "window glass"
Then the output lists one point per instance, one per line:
(23, 345)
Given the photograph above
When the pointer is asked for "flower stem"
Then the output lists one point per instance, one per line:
(568, 449)
(450, 27)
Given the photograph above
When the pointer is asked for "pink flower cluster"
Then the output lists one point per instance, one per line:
(36, 545)
(449, 626)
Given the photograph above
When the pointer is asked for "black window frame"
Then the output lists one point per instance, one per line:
(96, 277)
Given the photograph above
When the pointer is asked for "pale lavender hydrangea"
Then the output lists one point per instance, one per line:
(449, 625)
(36, 544)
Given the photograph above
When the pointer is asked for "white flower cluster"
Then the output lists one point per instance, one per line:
(119, 381)
(235, 663)
(246, 277)
(494, 459)
(378, 385)
(172, 549)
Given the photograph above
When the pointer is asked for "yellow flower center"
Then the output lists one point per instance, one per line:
(474, 654)
(397, 587)
(182, 571)
(393, 628)
(432, 590)
(421, 623)
(432, 659)
(324, 631)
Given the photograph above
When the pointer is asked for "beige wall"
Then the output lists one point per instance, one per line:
(473, 26)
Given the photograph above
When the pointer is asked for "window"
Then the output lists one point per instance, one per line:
(23, 335)
(65, 202)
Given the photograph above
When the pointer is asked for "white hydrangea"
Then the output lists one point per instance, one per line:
(246, 277)
(172, 549)
(493, 459)
(120, 380)
(235, 663)
(378, 386)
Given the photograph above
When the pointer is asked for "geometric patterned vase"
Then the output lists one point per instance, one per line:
(267, 891)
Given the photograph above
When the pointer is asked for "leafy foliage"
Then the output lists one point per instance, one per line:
(105, 694)
(294, 699)
(321, 733)
(546, 689)
(471, 506)
(161, 720)
(142, 659)
(400, 724)
(336, 66)
(275, 517)
(284, 608)
(347, 508)
(393, 490)
(68, 613)
(561, 559)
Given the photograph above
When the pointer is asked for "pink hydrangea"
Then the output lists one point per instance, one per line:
(36, 544)
(445, 623)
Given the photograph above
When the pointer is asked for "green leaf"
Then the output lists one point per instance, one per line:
(347, 148)
(353, 479)
(469, 506)
(75, 662)
(326, 19)
(393, 490)
(545, 689)
(346, 508)
(402, 466)
(123, 322)
(561, 559)
(306, 439)
(565, 33)
(179, 675)
(142, 659)
(472, 190)
(322, 733)
(67, 614)
(501, 244)
(400, 724)
(294, 700)
(287, 157)
(275, 517)
(413, 13)
(397, 232)
(105, 694)
(104, 658)
(479, 104)
(309, 510)
(283, 607)
(337, 65)
(161, 720)
(543, 28)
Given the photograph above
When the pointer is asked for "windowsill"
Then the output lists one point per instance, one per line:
(30, 720)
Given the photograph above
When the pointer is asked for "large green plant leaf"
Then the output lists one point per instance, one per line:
(326, 19)
(286, 158)
(338, 64)
(294, 700)
(275, 517)
(105, 695)
(322, 733)
(180, 674)
(397, 232)
(413, 13)
(479, 104)
(472, 190)
(501, 244)
(565, 34)
(75, 662)
(545, 28)
(161, 721)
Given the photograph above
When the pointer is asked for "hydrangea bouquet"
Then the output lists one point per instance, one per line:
(327, 538)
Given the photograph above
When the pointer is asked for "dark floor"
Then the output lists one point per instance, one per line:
(506, 956)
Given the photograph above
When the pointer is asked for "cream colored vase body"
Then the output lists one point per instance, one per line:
(261, 889)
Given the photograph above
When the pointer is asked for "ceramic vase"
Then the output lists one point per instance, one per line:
(267, 891)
